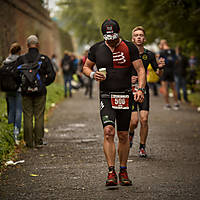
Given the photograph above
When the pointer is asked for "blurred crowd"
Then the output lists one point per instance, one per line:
(185, 70)
(71, 66)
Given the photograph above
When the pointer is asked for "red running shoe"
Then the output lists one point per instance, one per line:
(123, 178)
(112, 179)
(142, 153)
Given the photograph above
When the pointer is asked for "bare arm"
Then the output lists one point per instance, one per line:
(139, 67)
(87, 69)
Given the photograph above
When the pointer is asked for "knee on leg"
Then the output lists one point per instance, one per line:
(123, 136)
(144, 121)
(109, 132)
(133, 124)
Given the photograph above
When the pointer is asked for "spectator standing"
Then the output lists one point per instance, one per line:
(14, 99)
(67, 67)
(75, 63)
(193, 62)
(79, 73)
(180, 74)
(54, 63)
(88, 80)
(34, 102)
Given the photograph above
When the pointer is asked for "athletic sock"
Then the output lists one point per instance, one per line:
(111, 169)
(131, 133)
(122, 168)
(142, 146)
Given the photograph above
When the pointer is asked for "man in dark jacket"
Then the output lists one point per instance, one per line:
(180, 74)
(34, 102)
(67, 68)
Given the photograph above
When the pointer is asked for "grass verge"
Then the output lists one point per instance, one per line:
(194, 98)
(8, 150)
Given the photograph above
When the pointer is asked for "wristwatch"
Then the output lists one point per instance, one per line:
(142, 89)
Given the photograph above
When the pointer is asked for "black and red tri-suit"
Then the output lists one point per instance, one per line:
(118, 66)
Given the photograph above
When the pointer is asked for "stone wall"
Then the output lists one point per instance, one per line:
(21, 18)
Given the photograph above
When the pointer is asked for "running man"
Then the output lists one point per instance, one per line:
(118, 57)
(148, 57)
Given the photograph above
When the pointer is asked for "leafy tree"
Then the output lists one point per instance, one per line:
(77, 17)
(171, 19)
(176, 20)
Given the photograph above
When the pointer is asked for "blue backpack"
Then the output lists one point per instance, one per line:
(31, 81)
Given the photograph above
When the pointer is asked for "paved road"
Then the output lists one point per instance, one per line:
(72, 165)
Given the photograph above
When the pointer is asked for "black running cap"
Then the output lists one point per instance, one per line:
(110, 27)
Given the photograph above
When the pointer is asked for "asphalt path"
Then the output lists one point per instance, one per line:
(72, 165)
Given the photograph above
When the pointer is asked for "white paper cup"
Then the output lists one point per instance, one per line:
(103, 71)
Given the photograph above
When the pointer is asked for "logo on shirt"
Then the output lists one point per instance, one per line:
(101, 105)
(144, 57)
(119, 57)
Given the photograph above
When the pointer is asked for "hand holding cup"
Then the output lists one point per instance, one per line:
(100, 75)
(103, 71)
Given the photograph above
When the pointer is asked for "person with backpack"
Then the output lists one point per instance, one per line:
(67, 68)
(14, 99)
(36, 72)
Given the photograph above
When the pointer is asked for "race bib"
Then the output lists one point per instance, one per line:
(119, 101)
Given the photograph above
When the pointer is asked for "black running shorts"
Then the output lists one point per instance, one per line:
(141, 106)
(109, 115)
(167, 76)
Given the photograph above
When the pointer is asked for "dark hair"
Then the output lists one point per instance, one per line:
(15, 48)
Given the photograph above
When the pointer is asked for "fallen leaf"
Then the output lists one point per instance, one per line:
(34, 175)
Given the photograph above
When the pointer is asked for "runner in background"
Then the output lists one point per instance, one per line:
(167, 78)
(140, 111)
